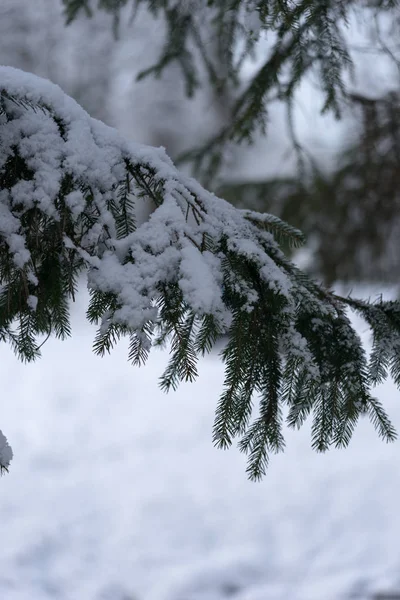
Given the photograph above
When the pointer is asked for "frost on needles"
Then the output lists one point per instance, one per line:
(72, 198)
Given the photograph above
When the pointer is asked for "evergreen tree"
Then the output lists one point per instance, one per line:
(71, 191)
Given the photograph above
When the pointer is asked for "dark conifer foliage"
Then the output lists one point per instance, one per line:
(198, 268)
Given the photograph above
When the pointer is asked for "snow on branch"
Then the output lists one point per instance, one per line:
(167, 261)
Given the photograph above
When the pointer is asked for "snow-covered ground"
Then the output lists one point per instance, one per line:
(117, 493)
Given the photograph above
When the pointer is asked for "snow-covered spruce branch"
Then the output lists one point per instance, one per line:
(73, 198)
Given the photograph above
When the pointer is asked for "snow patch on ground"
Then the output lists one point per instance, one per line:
(116, 492)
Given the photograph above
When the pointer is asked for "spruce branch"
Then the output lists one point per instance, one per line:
(291, 351)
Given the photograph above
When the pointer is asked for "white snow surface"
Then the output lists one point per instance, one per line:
(116, 492)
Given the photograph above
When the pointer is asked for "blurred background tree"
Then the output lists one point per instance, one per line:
(347, 52)
(247, 95)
